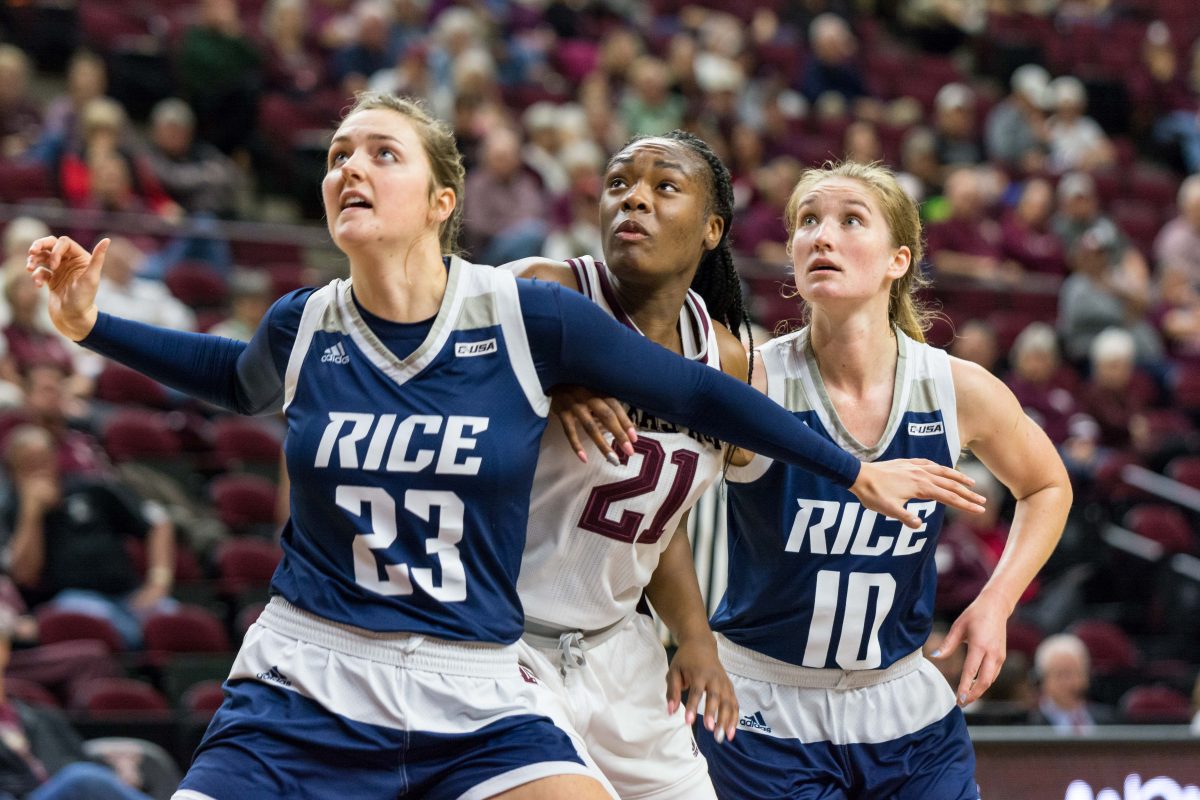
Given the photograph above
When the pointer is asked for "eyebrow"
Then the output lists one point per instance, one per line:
(372, 137)
(658, 163)
(812, 199)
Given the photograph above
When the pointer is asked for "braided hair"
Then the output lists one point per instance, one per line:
(716, 278)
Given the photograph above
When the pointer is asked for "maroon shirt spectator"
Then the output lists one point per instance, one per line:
(1115, 391)
(968, 243)
(1040, 385)
(1026, 235)
(29, 344)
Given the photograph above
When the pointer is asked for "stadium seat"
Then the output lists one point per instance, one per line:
(30, 692)
(1024, 637)
(1147, 705)
(1186, 470)
(244, 564)
(22, 181)
(245, 503)
(1153, 186)
(130, 435)
(1185, 389)
(248, 616)
(1166, 525)
(58, 625)
(116, 696)
(198, 285)
(189, 629)
(204, 697)
(1111, 650)
(240, 443)
(122, 386)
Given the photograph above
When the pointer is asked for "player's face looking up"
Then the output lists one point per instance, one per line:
(379, 189)
(842, 246)
(655, 210)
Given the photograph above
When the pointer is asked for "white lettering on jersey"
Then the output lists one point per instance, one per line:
(445, 440)
(926, 428)
(849, 535)
(467, 349)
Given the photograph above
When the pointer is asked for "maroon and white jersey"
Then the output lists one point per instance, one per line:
(596, 530)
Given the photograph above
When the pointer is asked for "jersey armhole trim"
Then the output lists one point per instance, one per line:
(516, 338)
(314, 309)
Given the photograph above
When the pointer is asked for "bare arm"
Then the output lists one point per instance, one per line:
(675, 594)
(1020, 455)
(27, 551)
(160, 562)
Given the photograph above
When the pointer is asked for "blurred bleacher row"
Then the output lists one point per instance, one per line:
(195, 130)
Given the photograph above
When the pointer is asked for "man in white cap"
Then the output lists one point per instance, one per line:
(1016, 127)
(1076, 141)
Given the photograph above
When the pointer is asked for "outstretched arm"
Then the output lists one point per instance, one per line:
(1019, 454)
(234, 375)
(596, 351)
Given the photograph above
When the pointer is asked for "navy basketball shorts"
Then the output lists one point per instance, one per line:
(315, 709)
(815, 734)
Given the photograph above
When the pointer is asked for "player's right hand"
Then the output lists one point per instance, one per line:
(885, 487)
(577, 407)
(73, 275)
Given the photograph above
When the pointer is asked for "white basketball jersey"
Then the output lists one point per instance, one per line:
(596, 530)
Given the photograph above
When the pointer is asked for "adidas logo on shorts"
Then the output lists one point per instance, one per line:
(336, 355)
(755, 721)
(274, 676)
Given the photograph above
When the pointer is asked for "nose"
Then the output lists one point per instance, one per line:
(821, 236)
(350, 167)
(634, 198)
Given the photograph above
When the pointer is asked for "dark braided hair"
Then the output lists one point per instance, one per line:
(716, 279)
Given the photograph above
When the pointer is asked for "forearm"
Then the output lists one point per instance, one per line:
(675, 593)
(1037, 526)
(160, 555)
(27, 553)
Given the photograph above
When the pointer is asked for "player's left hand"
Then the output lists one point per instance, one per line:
(599, 417)
(983, 626)
(697, 669)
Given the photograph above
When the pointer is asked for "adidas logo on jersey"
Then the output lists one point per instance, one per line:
(335, 355)
(274, 676)
(755, 721)
(925, 428)
(468, 349)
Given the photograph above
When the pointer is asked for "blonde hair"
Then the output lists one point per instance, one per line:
(445, 162)
(905, 309)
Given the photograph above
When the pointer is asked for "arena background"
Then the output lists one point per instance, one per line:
(774, 85)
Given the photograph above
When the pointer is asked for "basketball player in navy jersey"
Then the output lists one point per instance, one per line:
(828, 604)
(415, 398)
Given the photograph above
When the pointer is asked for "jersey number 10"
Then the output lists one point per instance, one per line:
(867, 600)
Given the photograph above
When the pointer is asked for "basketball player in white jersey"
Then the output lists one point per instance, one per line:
(601, 535)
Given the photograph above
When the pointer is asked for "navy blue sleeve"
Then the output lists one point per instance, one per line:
(241, 377)
(596, 351)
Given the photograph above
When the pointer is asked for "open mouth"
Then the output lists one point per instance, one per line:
(354, 201)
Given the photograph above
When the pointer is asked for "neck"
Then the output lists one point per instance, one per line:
(655, 308)
(407, 286)
(855, 350)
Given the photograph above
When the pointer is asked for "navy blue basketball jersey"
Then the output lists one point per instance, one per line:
(814, 579)
(411, 476)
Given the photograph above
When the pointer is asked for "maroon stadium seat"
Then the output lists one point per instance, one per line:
(188, 629)
(120, 385)
(204, 697)
(58, 625)
(29, 692)
(1186, 470)
(197, 284)
(246, 564)
(238, 442)
(1111, 650)
(116, 696)
(244, 501)
(1155, 705)
(1163, 524)
(131, 435)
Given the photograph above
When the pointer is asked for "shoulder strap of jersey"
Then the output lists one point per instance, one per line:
(314, 312)
(943, 380)
(507, 306)
(705, 348)
(771, 359)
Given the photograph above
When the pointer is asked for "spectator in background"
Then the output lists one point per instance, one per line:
(922, 174)
(219, 70)
(1178, 243)
(1042, 387)
(1196, 707)
(456, 31)
(30, 341)
(957, 142)
(832, 65)
(1062, 668)
(580, 234)
(506, 218)
(50, 405)
(1027, 237)
(20, 119)
(66, 539)
(1178, 312)
(41, 755)
(761, 231)
(249, 298)
(976, 342)
(1077, 142)
(196, 175)
(294, 65)
(1079, 211)
(368, 52)
(1016, 133)
(1099, 294)
(648, 106)
(1115, 390)
(62, 129)
(861, 143)
(135, 297)
(969, 243)
(544, 141)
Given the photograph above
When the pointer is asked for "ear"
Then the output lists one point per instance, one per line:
(713, 231)
(444, 203)
(900, 263)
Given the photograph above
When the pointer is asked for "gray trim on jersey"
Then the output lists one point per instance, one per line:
(943, 384)
(810, 375)
(770, 357)
(402, 369)
(507, 309)
(314, 317)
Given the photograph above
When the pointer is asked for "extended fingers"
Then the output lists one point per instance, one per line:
(954, 494)
(566, 418)
(674, 690)
(988, 670)
(603, 411)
